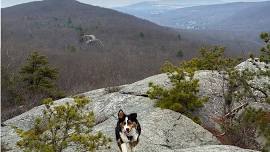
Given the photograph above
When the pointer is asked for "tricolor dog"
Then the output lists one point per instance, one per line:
(127, 131)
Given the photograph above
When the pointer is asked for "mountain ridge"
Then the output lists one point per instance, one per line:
(179, 17)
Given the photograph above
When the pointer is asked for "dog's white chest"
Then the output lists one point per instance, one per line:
(133, 133)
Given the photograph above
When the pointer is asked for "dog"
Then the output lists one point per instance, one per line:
(127, 131)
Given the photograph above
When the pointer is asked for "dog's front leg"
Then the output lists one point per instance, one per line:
(132, 149)
(124, 147)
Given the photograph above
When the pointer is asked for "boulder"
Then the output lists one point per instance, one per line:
(259, 82)
(211, 85)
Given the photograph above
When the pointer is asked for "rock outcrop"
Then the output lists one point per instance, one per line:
(211, 85)
(162, 130)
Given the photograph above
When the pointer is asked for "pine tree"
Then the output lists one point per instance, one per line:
(265, 51)
(62, 126)
(37, 74)
(180, 54)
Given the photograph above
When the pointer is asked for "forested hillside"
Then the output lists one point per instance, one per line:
(131, 48)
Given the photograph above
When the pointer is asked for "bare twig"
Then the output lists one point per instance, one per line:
(235, 110)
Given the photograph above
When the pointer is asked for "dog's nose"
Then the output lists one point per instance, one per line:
(127, 129)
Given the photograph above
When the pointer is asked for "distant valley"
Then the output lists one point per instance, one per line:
(230, 16)
(247, 19)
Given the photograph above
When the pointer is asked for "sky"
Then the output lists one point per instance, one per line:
(103, 3)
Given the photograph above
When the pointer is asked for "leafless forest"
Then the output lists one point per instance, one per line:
(133, 48)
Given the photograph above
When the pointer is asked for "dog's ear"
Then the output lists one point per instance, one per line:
(133, 115)
(121, 114)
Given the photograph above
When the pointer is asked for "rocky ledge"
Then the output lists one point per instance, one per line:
(162, 130)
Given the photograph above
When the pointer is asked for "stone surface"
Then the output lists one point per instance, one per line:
(211, 85)
(215, 148)
(141, 87)
(261, 82)
(248, 64)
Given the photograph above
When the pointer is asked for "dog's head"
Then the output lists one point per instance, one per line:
(128, 123)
